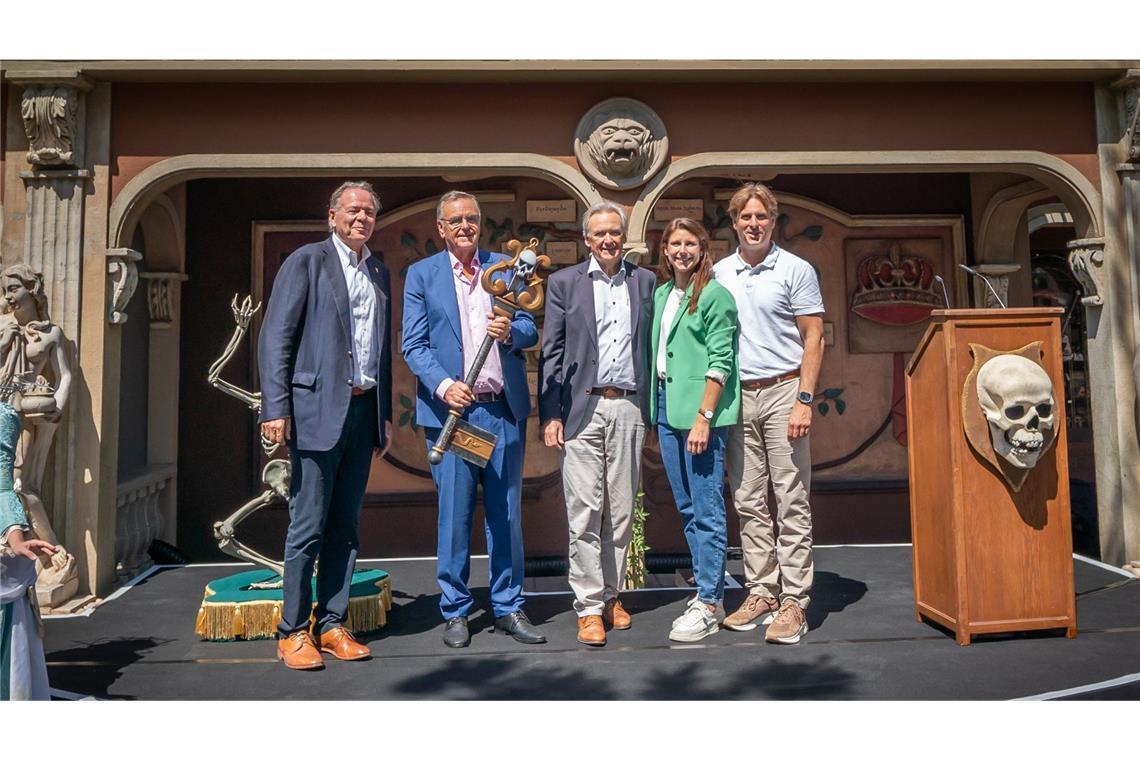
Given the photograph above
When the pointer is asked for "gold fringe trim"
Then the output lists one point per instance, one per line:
(258, 620)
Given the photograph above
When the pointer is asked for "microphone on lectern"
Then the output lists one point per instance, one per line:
(945, 295)
(986, 280)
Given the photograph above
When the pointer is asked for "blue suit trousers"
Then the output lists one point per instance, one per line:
(326, 491)
(456, 481)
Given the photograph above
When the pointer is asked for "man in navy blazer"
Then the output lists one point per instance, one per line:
(594, 386)
(325, 360)
(447, 314)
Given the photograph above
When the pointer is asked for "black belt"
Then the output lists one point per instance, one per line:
(487, 398)
(611, 391)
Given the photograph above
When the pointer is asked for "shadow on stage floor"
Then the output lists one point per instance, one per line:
(863, 643)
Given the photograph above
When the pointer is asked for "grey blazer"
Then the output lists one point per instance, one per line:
(569, 358)
(304, 352)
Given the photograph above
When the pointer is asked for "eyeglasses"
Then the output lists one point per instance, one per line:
(455, 222)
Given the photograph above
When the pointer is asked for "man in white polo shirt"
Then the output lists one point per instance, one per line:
(781, 348)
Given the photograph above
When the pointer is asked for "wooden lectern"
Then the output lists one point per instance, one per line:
(988, 557)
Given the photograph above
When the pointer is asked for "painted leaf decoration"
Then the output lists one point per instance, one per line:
(429, 247)
(404, 418)
(782, 220)
(833, 392)
(408, 240)
(824, 408)
(814, 232)
(840, 406)
(405, 401)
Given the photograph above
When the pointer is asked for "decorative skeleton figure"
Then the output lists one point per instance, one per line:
(1016, 396)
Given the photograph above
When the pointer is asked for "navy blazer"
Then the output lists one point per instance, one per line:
(568, 364)
(304, 352)
(433, 345)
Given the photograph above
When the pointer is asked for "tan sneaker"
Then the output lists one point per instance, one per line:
(756, 610)
(789, 626)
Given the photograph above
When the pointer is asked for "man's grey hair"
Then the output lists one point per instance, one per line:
(603, 207)
(334, 199)
(455, 195)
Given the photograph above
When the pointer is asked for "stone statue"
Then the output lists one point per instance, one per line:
(35, 353)
(621, 143)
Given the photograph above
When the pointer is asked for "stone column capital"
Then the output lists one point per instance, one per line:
(998, 277)
(1086, 259)
(160, 296)
(51, 108)
(1129, 84)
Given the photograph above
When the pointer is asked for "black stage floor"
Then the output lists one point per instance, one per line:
(863, 644)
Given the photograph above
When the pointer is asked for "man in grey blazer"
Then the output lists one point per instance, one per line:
(325, 360)
(594, 389)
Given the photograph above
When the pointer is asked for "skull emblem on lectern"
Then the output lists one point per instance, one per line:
(1016, 396)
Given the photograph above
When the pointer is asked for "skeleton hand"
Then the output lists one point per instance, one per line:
(244, 313)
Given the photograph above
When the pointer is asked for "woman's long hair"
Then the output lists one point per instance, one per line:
(704, 270)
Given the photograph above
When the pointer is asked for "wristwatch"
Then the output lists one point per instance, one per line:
(805, 397)
(706, 413)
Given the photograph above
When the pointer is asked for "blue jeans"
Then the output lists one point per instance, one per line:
(698, 488)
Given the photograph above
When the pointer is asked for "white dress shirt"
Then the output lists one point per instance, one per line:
(672, 301)
(769, 297)
(615, 333)
(362, 314)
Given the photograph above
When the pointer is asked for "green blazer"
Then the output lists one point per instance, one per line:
(694, 344)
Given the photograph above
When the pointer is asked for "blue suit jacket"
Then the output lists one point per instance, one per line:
(433, 346)
(304, 352)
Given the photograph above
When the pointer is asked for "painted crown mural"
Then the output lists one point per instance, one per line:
(895, 288)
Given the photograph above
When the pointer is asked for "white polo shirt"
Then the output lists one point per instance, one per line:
(769, 297)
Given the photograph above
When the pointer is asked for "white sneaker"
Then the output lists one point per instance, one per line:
(695, 624)
(696, 598)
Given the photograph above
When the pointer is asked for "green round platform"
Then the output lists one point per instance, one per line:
(231, 609)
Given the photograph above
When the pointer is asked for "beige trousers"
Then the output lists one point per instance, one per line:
(760, 454)
(601, 472)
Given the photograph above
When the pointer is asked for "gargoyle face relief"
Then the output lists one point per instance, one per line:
(1016, 396)
(619, 147)
(621, 143)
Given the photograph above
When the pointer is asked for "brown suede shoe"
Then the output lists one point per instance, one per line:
(339, 643)
(591, 630)
(615, 616)
(756, 610)
(298, 652)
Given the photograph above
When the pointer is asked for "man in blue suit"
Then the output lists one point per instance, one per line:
(325, 361)
(447, 314)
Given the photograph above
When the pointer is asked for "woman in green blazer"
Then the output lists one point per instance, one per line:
(693, 351)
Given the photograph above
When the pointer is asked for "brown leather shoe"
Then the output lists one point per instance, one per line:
(298, 652)
(340, 644)
(591, 630)
(615, 616)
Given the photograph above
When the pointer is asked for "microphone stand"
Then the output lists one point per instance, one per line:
(986, 280)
